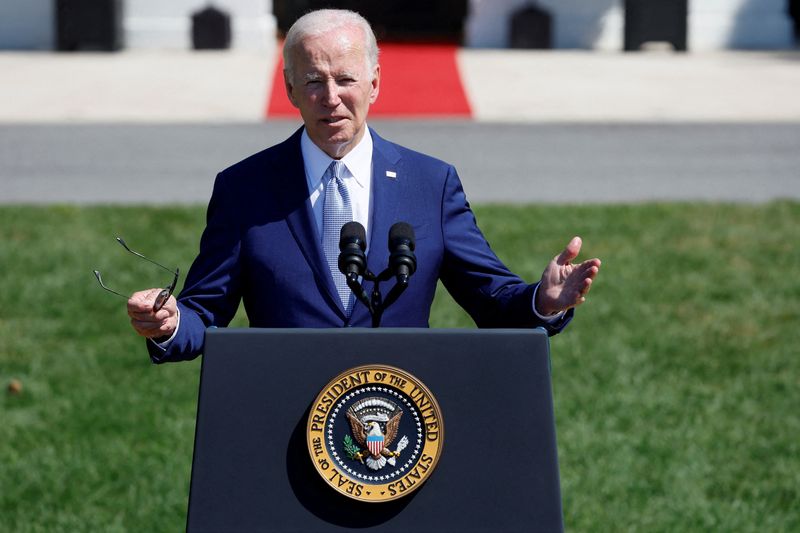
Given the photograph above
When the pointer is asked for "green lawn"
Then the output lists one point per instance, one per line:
(677, 387)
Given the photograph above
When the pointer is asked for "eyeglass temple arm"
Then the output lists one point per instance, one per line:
(174, 280)
(112, 291)
(124, 245)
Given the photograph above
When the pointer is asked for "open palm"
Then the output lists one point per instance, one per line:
(565, 284)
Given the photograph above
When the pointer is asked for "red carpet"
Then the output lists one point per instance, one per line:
(416, 81)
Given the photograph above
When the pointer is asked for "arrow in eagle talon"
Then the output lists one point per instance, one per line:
(400, 447)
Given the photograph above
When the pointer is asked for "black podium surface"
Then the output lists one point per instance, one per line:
(498, 470)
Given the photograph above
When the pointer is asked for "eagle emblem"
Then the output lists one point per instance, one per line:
(374, 423)
(362, 421)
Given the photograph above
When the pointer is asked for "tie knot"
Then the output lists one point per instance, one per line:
(336, 170)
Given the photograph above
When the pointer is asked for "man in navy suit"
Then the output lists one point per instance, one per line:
(270, 218)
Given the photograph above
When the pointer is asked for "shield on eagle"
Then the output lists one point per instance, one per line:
(375, 444)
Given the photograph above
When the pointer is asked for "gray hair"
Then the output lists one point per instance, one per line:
(322, 21)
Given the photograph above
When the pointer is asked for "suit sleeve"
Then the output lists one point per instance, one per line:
(211, 294)
(471, 272)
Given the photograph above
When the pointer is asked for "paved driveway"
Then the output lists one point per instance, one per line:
(169, 163)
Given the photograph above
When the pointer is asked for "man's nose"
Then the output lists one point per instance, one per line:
(331, 94)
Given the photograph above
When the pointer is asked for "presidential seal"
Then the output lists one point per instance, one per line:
(375, 433)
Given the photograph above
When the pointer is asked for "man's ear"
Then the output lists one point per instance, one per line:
(287, 82)
(376, 84)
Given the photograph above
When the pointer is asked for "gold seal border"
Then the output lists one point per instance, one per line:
(325, 465)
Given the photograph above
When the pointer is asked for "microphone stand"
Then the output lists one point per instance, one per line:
(375, 303)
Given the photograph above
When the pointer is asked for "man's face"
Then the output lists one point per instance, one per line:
(332, 86)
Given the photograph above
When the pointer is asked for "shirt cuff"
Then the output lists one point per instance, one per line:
(550, 319)
(165, 344)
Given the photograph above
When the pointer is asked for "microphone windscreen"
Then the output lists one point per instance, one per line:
(353, 232)
(399, 232)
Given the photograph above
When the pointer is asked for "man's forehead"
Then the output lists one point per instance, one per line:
(331, 45)
(341, 34)
(343, 57)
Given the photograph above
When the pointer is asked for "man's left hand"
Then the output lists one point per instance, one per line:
(564, 285)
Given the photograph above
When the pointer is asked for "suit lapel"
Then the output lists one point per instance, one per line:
(386, 184)
(302, 225)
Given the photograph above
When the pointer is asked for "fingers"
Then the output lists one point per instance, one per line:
(580, 283)
(153, 329)
(588, 268)
(142, 301)
(160, 315)
(584, 290)
(585, 274)
(148, 323)
(570, 252)
(565, 285)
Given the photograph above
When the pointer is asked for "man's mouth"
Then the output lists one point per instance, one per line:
(333, 120)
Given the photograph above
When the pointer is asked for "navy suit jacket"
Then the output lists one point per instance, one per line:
(262, 246)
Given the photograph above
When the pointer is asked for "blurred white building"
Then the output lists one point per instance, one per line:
(165, 24)
(586, 24)
(599, 24)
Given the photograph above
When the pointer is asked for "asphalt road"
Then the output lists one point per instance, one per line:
(553, 163)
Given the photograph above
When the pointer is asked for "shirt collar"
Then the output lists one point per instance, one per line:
(358, 161)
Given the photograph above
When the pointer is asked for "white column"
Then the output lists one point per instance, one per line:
(587, 24)
(748, 24)
(487, 24)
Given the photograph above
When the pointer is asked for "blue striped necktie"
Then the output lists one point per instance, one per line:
(336, 212)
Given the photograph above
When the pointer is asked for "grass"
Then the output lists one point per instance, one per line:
(677, 387)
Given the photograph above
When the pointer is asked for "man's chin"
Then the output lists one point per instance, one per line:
(335, 141)
(336, 145)
(337, 132)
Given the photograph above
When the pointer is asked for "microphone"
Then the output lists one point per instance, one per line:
(352, 244)
(402, 260)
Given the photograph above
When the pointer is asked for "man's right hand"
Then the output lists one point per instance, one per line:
(158, 326)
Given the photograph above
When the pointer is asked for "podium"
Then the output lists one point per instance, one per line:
(498, 469)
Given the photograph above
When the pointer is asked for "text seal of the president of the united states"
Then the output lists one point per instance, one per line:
(375, 433)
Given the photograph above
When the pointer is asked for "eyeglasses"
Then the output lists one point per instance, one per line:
(162, 297)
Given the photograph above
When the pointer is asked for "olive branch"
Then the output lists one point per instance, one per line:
(350, 447)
